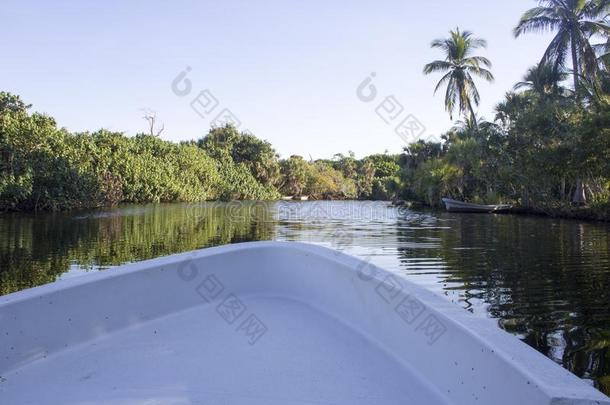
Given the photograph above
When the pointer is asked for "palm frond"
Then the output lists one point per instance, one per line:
(440, 43)
(443, 81)
(523, 85)
(588, 61)
(596, 8)
(471, 90)
(477, 61)
(437, 66)
(537, 19)
(591, 28)
(555, 54)
(483, 73)
(450, 97)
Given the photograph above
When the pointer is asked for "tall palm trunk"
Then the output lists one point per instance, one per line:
(473, 116)
(579, 194)
(575, 68)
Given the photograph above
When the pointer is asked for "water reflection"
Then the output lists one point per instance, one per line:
(546, 281)
(36, 249)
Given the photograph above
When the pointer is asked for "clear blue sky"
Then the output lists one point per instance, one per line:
(288, 70)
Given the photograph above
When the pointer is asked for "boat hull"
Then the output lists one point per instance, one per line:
(460, 206)
(262, 323)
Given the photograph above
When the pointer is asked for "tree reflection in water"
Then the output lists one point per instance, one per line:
(544, 280)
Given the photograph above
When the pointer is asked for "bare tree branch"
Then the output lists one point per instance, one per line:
(151, 118)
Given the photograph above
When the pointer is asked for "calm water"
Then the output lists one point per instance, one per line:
(546, 281)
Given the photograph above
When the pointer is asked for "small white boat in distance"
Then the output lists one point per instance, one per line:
(264, 323)
(461, 206)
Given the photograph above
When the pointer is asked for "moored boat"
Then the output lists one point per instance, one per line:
(461, 206)
(263, 323)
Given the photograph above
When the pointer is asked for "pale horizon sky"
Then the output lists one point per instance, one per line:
(288, 70)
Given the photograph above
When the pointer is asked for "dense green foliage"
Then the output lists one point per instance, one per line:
(548, 145)
(44, 167)
(531, 155)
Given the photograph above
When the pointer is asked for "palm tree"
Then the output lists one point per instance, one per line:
(575, 21)
(459, 67)
(543, 81)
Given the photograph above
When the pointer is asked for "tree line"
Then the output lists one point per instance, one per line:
(45, 167)
(548, 145)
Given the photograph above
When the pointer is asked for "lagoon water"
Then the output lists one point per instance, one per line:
(544, 280)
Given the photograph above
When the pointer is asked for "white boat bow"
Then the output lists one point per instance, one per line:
(263, 323)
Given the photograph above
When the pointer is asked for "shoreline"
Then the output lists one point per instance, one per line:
(591, 214)
(599, 214)
(588, 214)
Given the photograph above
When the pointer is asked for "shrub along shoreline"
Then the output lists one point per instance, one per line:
(46, 168)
